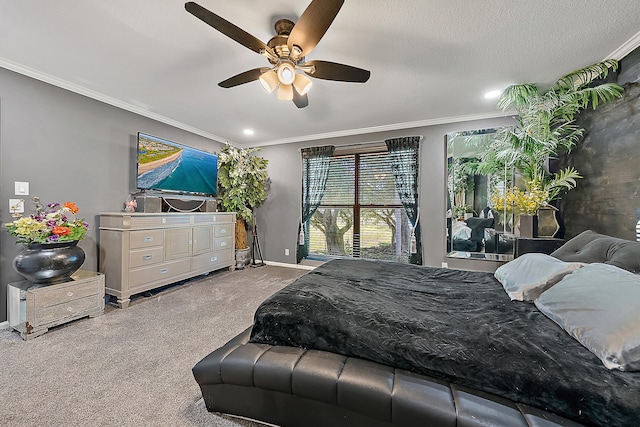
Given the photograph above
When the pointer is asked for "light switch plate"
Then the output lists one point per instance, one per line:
(16, 206)
(22, 188)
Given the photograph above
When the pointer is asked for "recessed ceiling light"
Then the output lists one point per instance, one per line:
(493, 94)
(248, 132)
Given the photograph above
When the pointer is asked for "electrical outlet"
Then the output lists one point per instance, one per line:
(286, 252)
(16, 206)
(445, 265)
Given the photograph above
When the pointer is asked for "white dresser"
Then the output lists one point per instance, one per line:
(143, 251)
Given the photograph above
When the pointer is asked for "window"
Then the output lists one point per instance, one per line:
(360, 214)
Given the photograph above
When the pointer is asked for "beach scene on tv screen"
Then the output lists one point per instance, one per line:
(164, 165)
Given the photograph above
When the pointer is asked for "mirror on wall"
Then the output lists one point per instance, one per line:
(475, 227)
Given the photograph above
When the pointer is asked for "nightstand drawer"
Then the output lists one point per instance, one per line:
(545, 245)
(78, 307)
(146, 256)
(49, 296)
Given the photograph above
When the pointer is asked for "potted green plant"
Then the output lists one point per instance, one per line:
(242, 179)
(546, 125)
(546, 128)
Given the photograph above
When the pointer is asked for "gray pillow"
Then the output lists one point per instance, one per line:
(527, 276)
(599, 305)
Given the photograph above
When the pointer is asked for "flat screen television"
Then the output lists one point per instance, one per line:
(170, 167)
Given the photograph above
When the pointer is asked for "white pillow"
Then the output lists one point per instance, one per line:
(599, 305)
(527, 276)
(460, 231)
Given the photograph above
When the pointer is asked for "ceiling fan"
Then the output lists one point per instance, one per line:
(287, 51)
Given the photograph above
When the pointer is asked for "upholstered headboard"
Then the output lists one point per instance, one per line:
(590, 247)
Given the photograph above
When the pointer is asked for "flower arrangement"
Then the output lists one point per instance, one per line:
(51, 224)
(130, 205)
(521, 202)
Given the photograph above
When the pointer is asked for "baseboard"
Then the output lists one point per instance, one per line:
(288, 265)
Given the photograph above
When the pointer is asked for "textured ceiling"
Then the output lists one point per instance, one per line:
(431, 61)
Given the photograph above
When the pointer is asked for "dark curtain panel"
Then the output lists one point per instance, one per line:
(404, 164)
(315, 170)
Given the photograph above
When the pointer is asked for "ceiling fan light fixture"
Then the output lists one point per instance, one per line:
(302, 84)
(286, 73)
(285, 92)
(269, 80)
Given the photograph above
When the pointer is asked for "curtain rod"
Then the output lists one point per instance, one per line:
(370, 143)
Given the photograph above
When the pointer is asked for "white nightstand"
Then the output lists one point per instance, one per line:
(34, 308)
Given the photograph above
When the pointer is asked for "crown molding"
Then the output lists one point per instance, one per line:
(47, 78)
(626, 48)
(52, 80)
(618, 54)
(385, 128)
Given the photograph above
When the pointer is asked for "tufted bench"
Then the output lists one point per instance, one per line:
(289, 386)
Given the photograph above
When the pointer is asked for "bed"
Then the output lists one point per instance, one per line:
(370, 343)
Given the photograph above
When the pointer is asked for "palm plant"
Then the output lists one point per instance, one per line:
(546, 125)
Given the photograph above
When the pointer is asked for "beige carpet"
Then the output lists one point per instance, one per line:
(132, 367)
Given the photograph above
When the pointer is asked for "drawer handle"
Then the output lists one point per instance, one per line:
(147, 257)
(214, 258)
(223, 243)
(223, 231)
(147, 239)
(164, 271)
(69, 294)
(69, 309)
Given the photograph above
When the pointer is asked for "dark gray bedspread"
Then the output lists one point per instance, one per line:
(459, 326)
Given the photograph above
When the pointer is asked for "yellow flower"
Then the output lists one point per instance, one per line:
(519, 201)
(27, 225)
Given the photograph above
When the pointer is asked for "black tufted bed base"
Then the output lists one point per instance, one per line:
(289, 386)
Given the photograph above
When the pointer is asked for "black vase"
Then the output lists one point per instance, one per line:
(49, 262)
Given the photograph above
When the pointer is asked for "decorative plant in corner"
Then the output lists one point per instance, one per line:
(243, 181)
(546, 126)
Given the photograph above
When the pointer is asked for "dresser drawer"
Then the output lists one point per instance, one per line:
(222, 218)
(77, 307)
(223, 230)
(211, 260)
(146, 256)
(143, 275)
(50, 296)
(223, 243)
(146, 238)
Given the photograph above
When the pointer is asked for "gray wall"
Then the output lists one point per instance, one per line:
(73, 148)
(69, 148)
(278, 218)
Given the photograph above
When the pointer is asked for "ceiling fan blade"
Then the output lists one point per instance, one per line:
(301, 101)
(242, 78)
(313, 23)
(343, 73)
(226, 27)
